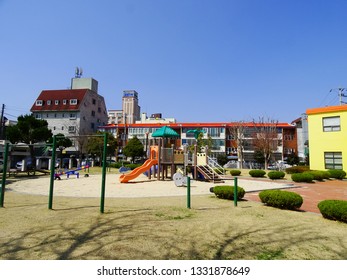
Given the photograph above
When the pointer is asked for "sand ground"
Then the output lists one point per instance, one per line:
(140, 187)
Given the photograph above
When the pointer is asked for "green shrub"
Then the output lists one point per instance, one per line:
(337, 174)
(318, 175)
(334, 210)
(297, 169)
(302, 177)
(281, 199)
(227, 192)
(257, 173)
(132, 166)
(276, 175)
(235, 172)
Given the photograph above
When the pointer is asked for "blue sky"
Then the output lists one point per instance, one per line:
(195, 60)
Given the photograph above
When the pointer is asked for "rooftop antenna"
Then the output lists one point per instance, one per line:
(78, 72)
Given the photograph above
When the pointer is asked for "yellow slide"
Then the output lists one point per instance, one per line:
(124, 178)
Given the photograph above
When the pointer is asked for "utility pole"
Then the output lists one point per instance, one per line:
(2, 124)
(341, 94)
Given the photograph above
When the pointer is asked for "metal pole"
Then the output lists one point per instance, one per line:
(235, 191)
(51, 184)
(102, 199)
(3, 181)
(188, 192)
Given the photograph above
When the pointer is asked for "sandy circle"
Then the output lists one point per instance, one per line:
(139, 187)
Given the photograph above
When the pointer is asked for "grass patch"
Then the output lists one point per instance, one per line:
(161, 229)
(270, 255)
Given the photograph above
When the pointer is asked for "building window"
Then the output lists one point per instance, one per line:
(73, 101)
(64, 101)
(56, 102)
(39, 102)
(92, 125)
(333, 160)
(93, 113)
(48, 102)
(72, 116)
(331, 124)
(62, 128)
(72, 129)
(53, 127)
(94, 101)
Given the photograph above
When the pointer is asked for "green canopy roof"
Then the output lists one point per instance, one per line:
(165, 132)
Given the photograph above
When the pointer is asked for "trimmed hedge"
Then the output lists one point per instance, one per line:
(318, 175)
(302, 177)
(337, 174)
(334, 210)
(297, 169)
(227, 192)
(281, 199)
(273, 175)
(235, 172)
(257, 173)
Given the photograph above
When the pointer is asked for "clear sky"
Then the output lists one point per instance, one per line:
(195, 60)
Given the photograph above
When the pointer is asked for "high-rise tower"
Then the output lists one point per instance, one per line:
(130, 107)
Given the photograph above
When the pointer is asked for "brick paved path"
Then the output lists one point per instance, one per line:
(313, 193)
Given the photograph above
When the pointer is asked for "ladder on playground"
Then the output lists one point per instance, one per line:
(212, 171)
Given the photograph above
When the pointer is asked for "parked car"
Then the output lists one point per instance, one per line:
(28, 162)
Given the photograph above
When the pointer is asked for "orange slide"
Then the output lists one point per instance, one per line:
(124, 178)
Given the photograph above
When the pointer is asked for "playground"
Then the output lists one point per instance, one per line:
(141, 186)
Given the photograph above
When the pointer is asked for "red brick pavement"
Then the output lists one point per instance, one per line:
(313, 193)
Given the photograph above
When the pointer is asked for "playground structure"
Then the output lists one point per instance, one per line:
(67, 172)
(165, 162)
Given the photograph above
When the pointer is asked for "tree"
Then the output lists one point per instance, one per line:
(201, 142)
(293, 159)
(265, 139)
(237, 131)
(29, 130)
(95, 144)
(222, 159)
(133, 149)
(62, 143)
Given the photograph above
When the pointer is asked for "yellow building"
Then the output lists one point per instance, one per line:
(327, 132)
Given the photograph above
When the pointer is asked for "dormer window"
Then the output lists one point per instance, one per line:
(64, 101)
(56, 102)
(73, 101)
(39, 102)
(48, 102)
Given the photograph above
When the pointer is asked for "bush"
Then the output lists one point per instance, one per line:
(257, 173)
(318, 175)
(281, 199)
(235, 172)
(302, 177)
(276, 175)
(132, 166)
(227, 192)
(334, 210)
(297, 169)
(337, 174)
